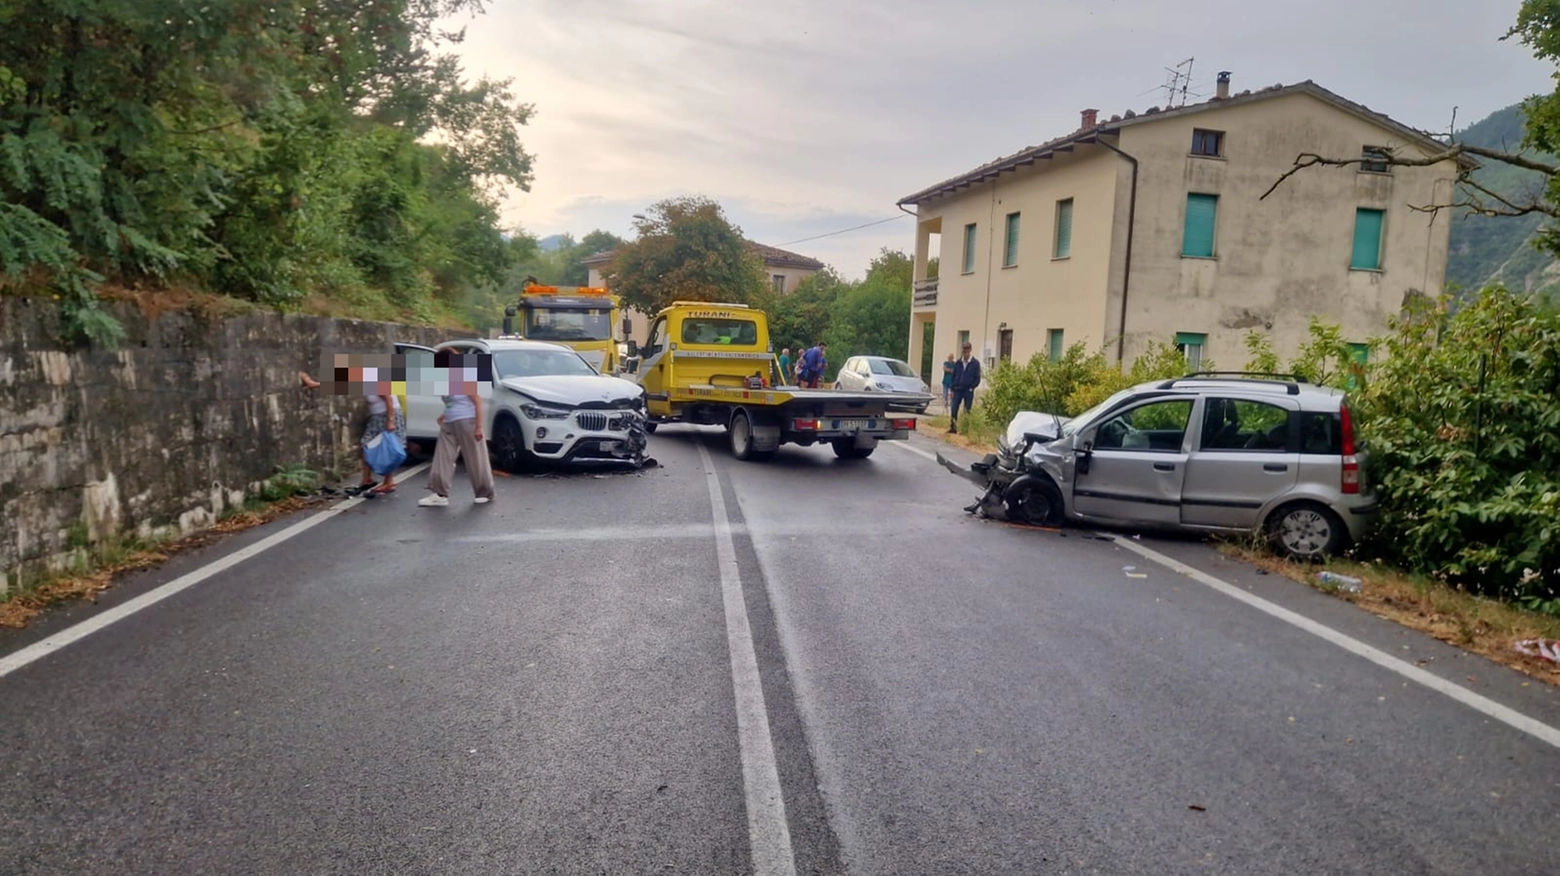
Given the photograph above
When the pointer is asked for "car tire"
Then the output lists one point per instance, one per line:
(741, 434)
(1306, 531)
(508, 445)
(1036, 502)
(845, 448)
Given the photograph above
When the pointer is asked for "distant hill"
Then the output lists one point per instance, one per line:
(1489, 248)
(555, 242)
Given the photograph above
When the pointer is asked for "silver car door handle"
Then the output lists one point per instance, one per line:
(1164, 466)
(1276, 467)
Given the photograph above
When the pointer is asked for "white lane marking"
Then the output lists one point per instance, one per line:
(769, 836)
(44, 647)
(1381, 658)
(905, 445)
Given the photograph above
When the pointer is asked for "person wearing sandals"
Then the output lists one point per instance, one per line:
(384, 415)
(460, 435)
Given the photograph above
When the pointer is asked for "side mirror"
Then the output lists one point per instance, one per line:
(1039, 437)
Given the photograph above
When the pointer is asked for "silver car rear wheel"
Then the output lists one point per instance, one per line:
(1307, 531)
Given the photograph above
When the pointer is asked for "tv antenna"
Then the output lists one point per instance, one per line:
(1179, 83)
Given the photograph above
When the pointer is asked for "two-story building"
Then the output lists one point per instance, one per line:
(785, 270)
(1153, 226)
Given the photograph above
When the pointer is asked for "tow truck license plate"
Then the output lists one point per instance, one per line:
(853, 425)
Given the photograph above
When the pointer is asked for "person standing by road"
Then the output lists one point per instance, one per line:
(947, 384)
(966, 376)
(785, 365)
(384, 415)
(460, 434)
(814, 363)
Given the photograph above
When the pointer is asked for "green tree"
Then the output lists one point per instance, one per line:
(686, 249)
(873, 317)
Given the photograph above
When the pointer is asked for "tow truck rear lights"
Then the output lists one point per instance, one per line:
(907, 423)
(808, 424)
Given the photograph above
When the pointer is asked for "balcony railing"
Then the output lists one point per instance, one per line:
(925, 293)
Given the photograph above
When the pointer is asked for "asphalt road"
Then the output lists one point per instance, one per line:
(841, 673)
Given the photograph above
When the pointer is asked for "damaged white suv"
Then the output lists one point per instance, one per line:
(543, 403)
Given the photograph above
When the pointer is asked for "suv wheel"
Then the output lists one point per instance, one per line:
(1037, 503)
(508, 444)
(1306, 531)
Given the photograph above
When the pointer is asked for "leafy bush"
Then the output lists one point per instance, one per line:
(1074, 383)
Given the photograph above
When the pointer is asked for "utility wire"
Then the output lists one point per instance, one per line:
(843, 230)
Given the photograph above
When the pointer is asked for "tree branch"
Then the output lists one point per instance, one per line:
(1387, 157)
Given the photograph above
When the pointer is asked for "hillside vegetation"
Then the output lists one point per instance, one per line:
(303, 155)
(1487, 249)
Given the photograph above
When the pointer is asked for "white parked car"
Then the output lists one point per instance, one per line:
(545, 402)
(880, 374)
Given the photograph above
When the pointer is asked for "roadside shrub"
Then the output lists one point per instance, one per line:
(1074, 383)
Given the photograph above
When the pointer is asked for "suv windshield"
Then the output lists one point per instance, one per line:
(891, 366)
(1071, 426)
(538, 363)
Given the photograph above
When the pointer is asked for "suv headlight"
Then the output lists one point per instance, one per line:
(536, 412)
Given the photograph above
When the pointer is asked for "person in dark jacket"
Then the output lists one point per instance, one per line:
(966, 376)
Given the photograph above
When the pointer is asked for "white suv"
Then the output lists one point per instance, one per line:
(544, 403)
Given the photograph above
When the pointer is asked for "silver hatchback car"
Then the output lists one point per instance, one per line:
(1262, 454)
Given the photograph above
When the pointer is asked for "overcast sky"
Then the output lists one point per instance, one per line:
(804, 117)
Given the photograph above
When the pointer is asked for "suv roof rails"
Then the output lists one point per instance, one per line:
(1290, 382)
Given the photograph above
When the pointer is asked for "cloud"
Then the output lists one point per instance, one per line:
(799, 113)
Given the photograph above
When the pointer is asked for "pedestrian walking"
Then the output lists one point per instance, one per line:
(966, 376)
(384, 415)
(460, 435)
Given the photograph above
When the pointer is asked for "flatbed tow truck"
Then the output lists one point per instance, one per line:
(712, 364)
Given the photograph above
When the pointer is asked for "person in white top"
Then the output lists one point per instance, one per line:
(460, 435)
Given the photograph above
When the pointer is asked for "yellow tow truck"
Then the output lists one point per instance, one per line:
(585, 318)
(712, 364)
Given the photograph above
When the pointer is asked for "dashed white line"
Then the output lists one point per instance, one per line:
(769, 836)
(1487, 706)
(44, 647)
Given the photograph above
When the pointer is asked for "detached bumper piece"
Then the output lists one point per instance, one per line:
(979, 473)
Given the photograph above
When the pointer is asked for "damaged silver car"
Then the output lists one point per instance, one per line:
(1251, 453)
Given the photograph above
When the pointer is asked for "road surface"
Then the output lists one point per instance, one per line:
(801, 666)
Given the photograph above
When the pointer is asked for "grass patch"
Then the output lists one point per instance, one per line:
(1478, 624)
(97, 565)
(974, 433)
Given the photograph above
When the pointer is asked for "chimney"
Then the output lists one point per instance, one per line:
(1224, 85)
(1090, 118)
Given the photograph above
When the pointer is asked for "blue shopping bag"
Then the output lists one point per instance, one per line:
(384, 453)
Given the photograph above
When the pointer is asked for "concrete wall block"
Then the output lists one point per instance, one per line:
(169, 431)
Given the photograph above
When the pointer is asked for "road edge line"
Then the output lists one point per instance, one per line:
(769, 833)
(906, 445)
(1478, 702)
(76, 632)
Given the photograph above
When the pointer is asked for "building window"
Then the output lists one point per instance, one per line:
(1010, 245)
(1210, 143)
(1359, 356)
(1202, 211)
(1053, 343)
(1375, 160)
(1367, 240)
(778, 281)
(1191, 346)
(964, 338)
(1063, 245)
(969, 248)
(1005, 344)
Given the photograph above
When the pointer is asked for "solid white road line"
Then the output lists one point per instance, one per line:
(906, 445)
(768, 833)
(1461, 694)
(42, 648)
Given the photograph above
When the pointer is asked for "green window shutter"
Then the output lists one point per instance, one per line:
(1064, 228)
(1055, 344)
(1367, 240)
(1010, 248)
(1201, 211)
(969, 248)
